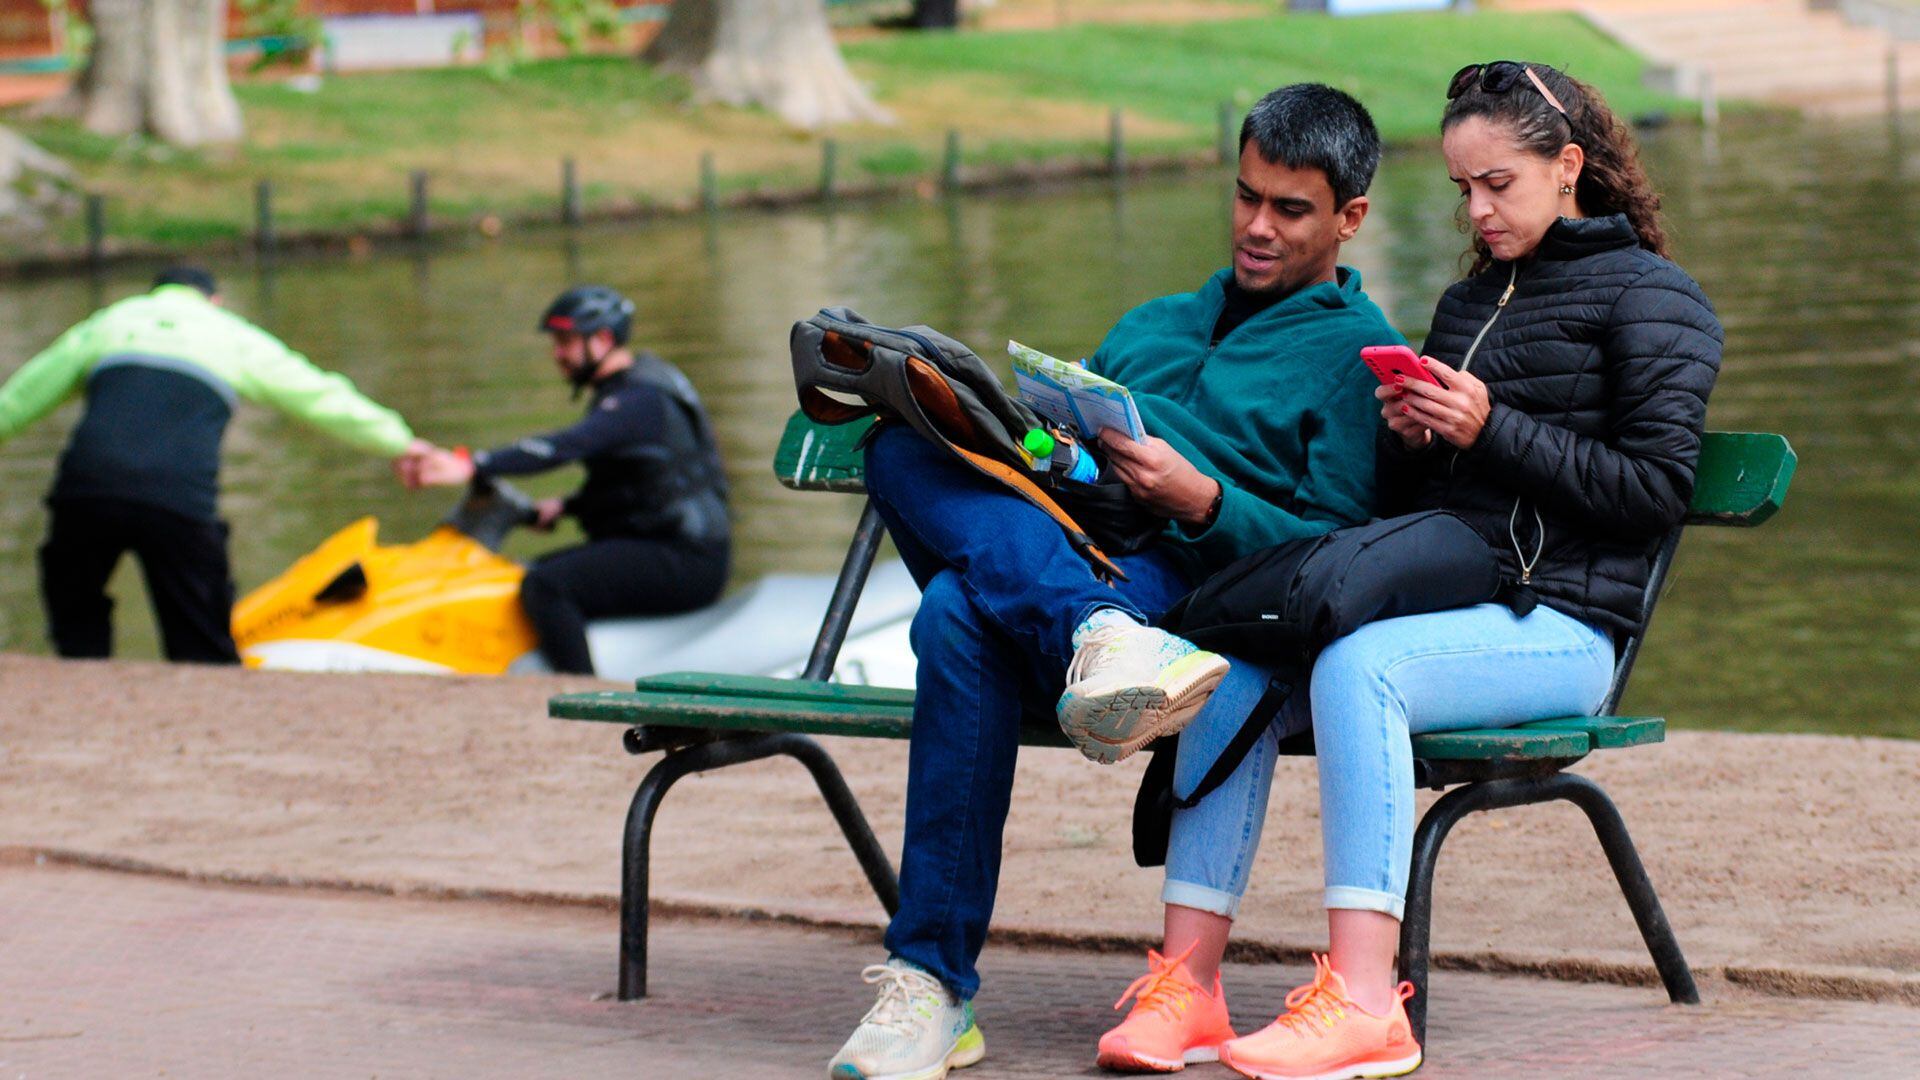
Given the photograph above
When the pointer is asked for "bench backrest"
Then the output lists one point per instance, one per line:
(1741, 481)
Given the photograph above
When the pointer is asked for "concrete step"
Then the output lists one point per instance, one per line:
(1638, 5)
(1794, 38)
(1843, 66)
(1778, 51)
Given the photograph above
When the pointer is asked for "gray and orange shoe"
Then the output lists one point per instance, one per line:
(916, 1029)
(1130, 684)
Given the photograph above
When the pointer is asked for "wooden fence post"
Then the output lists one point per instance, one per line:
(570, 202)
(96, 228)
(829, 164)
(417, 219)
(265, 239)
(950, 167)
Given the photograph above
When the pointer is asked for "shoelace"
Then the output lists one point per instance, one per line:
(1315, 1007)
(1095, 647)
(1158, 989)
(900, 988)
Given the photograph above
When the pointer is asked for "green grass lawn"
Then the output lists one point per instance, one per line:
(339, 158)
(1398, 65)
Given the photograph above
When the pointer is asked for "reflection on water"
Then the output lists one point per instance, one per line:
(1806, 237)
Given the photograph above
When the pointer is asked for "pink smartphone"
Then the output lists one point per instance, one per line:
(1388, 361)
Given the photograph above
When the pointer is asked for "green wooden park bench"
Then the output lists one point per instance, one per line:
(708, 721)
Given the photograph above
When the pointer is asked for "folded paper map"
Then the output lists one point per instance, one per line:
(1072, 396)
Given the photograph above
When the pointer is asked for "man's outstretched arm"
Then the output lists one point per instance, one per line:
(47, 380)
(277, 376)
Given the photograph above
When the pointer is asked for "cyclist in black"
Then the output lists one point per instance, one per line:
(654, 504)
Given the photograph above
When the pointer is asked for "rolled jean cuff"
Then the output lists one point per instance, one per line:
(1200, 897)
(1348, 898)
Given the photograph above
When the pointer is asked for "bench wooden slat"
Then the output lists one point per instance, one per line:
(803, 714)
(879, 712)
(1608, 732)
(763, 686)
(725, 712)
(1742, 478)
(1500, 744)
(821, 457)
(1603, 732)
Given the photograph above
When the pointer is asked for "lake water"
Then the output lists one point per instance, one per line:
(1806, 237)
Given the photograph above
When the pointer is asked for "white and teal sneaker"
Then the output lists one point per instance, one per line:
(1130, 684)
(915, 1031)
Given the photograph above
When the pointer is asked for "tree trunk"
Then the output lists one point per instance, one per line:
(159, 67)
(936, 14)
(778, 54)
(35, 186)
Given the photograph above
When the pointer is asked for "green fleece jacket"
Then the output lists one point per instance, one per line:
(1281, 412)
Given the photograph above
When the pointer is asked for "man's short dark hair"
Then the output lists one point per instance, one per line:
(1311, 125)
(187, 275)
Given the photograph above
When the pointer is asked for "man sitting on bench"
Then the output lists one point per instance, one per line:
(1261, 423)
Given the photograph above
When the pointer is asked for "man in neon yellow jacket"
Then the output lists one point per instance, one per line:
(162, 373)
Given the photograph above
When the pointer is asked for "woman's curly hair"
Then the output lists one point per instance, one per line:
(1613, 180)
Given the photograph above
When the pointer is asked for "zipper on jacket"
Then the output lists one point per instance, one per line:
(1513, 279)
(1513, 516)
(1539, 541)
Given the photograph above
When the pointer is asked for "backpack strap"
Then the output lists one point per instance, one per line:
(1271, 701)
(936, 398)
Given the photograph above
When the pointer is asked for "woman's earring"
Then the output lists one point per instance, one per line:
(1566, 189)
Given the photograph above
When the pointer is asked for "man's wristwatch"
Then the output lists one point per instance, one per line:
(1213, 508)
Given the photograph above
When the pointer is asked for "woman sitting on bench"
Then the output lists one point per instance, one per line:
(1573, 368)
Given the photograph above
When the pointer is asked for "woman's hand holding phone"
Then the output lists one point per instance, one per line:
(1394, 366)
(1455, 408)
(1413, 434)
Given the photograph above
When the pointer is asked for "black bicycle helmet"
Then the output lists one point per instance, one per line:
(585, 309)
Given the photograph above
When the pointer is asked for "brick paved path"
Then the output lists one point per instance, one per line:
(105, 974)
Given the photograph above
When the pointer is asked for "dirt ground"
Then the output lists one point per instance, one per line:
(1785, 862)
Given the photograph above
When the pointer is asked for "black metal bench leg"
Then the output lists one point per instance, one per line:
(846, 811)
(634, 860)
(635, 894)
(1634, 883)
(1417, 925)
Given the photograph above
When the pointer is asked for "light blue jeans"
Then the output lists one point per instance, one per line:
(1371, 691)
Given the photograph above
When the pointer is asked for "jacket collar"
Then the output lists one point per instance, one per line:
(179, 292)
(1575, 238)
(1343, 291)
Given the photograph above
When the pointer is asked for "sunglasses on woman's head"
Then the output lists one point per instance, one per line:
(1499, 77)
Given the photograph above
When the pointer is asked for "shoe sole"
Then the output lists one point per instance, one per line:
(1371, 1070)
(1137, 1062)
(1111, 727)
(967, 1050)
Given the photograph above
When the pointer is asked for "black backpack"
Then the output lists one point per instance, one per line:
(1282, 605)
(846, 368)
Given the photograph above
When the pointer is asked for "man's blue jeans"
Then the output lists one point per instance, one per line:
(1001, 594)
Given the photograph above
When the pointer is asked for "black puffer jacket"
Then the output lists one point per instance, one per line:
(1598, 367)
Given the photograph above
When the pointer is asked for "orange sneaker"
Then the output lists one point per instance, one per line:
(1174, 1023)
(1323, 1035)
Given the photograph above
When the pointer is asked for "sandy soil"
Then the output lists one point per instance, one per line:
(1785, 862)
